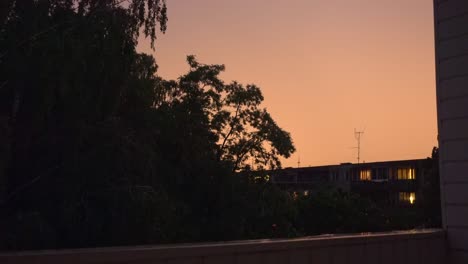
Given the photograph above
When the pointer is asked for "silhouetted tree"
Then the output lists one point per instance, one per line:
(97, 150)
(233, 112)
(69, 74)
(331, 211)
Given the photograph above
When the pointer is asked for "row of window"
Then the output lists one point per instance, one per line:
(403, 197)
(364, 175)
(407, 197)
(406, 174)
(382, 174)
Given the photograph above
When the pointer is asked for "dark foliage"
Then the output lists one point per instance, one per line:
(333, 211)
(97, 150)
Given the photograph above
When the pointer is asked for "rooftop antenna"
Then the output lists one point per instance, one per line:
(357, 135)
(299, 161)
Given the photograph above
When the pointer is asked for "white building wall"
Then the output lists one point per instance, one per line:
(451, 42)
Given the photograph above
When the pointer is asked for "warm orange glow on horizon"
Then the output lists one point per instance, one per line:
(325, 67)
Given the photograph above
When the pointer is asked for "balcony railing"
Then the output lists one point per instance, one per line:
(382, 185)
(414, 247)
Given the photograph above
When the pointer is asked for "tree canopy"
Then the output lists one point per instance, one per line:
(96, 149)
(242, 128)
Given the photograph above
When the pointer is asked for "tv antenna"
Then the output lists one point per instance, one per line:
(299, 162)
(357, 135)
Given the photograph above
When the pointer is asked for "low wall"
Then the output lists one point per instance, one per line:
(413, 247)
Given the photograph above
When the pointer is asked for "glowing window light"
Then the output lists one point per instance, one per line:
(295, 195)
(365, 175)
(266, 178)
(406, 174)
(408, 197)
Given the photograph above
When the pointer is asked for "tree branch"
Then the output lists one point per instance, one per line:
(28, 184)
(229, 133)
(47, 30)
(252, 142)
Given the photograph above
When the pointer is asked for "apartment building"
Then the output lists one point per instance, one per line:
(391, 182)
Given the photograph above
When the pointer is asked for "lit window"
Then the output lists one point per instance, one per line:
(407, 197)
(266, 178)
(306, 193)
(406, 174)
(365, 175)
(295, 195)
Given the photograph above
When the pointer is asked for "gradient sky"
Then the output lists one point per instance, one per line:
(325, 67)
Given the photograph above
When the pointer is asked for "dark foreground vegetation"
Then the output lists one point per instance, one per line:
(97, 150)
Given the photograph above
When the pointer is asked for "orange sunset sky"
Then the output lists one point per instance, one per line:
(325, 67)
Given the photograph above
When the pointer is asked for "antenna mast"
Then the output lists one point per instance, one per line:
(299, 162)
(357, 135)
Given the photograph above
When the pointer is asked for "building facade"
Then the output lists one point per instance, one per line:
(389, 182)
(451, 63)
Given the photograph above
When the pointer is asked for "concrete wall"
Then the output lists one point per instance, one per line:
(412, 247)
(451, 41)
